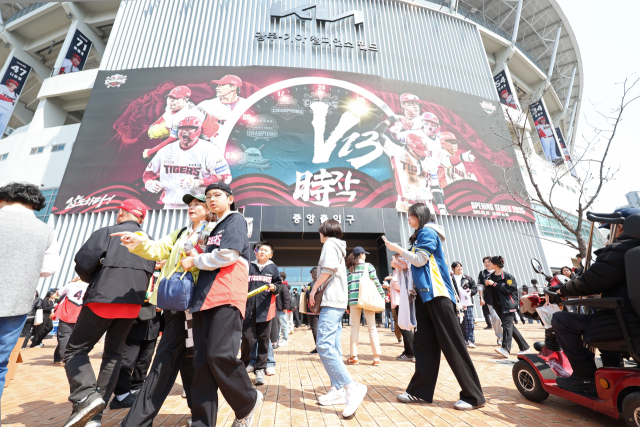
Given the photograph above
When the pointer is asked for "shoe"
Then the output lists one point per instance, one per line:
(37, 346)
(58, 363)
(246, 421)
(189, 422)
(471, 345)
(354, 398)
(184, 394)
(488, 327)
(270, 371)
(407, 398)
(96, 421)
(404, 358)
(314, 351)
(127, 402)
(500, 341)
(259, 377)
(283, 343)
(376, 361)
(334, 397)
(527, 351)
(353, 360)
(577, 384)
(250, 369)
(502, 351)
(461, 405)
(85, 410)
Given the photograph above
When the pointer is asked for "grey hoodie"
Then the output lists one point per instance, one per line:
(332, 260)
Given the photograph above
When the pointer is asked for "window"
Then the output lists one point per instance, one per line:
(4, 156)
(58, 147)
(50, 197)
(550, 227)
(36, 150)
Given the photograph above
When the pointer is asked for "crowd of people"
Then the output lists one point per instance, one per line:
(198, 286)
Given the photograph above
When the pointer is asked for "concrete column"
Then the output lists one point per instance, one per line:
(77, 15)
(48, 114)
(21, 113)
(17, 44)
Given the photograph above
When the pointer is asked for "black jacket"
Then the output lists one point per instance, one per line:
(263, 305)
(487, 293)
(37, 303)
(608, 277)
(295, 300)
(114, 274)
(283, 300)
(146, 329)
(506, 289)
(47, 307)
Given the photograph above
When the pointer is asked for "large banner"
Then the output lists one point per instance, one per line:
(565, 152)
(504, 90)
(542, 121)
(11, 84)
(77, 54)
(287, 137)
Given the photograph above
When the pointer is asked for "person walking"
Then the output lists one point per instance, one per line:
(311, 316)
(283, 305)
(438, 328)
(506, 302)
(28, 330)
(20, 268)
(175, 351)
(467, 289)
(489, 296)
(358, 267)
(117, 281)
(404, 305)
(67, 312)
(43, 329)
(295, 307)
(333, 278)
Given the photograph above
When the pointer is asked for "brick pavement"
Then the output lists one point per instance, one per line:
(38, 394)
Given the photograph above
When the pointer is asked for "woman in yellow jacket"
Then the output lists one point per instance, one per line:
(174, 353)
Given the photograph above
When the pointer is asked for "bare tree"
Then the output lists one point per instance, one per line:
(595, 172)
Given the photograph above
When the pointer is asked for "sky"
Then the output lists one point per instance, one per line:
(608, 34)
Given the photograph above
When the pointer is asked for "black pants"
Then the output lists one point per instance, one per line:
(313, 323)
(438, 331)
(64, 332)
(274, 333)
(407, 337)
(216, 335)
(26, 331)
(42, 330)
(172, 357)
(252, 332)
(136, 358)
(88, 330)
(510, 332)
(296, 318)
(487, 314)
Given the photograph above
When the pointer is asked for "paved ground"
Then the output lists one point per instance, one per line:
(38, 394)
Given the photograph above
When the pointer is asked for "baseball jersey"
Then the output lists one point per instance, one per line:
(172, 164)
(67, 67)
(219, 109)
(544, 131)
(455, 172)
(69, 308)
(263, 305)
(7, 98)
(411, 174)
(399, 129)
(510, 102)
(172, 119)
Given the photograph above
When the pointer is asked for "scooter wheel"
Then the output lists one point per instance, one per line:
(528, 382)
(631, 409)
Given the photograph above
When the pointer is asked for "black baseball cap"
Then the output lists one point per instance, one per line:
(625, 212)
(224, 187)
(359, 250)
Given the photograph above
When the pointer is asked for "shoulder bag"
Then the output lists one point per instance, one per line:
(317, 299)
(369, 298)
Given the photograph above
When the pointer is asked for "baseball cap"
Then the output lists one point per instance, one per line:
(187, 198)
(179, 92)
(12, 81)
(408, 97)
(229, 79)
(221, 186)
(134, 207)
(359, 250)
(78, 57)
(625, 212)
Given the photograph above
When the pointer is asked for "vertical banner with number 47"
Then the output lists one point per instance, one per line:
(77, 54)
(13, 80)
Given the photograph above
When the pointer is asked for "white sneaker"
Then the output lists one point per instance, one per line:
(334, 394)
(250, 369)
(283, 343)
(461, 405)
(270, 371)
(502, 351)
(500, 341)
(471, 345)
(354, 398)
(527, 351)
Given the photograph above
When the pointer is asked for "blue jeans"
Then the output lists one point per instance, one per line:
(10, 328)
(330, 348)
(271, 361)
(284, 324)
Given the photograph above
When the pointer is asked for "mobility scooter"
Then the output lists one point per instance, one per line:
(618, 389)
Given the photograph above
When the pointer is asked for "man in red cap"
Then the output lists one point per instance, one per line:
(118, 281)
(70, 65)
(178, 108)
(227, 98)
(8, 97)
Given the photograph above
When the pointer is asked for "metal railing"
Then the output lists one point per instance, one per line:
(24, 11)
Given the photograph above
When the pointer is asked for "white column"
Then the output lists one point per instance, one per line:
(516, 24)
(570, 131)
(77, 16)
(555, 50)
(565, 110)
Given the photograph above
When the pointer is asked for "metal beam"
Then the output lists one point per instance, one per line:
(570, 132)
(514, 36)
(555, 50)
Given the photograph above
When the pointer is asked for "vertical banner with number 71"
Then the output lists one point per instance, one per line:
(77, 54)
(13, 80)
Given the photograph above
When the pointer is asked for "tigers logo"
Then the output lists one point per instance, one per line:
(116, 80)
(214, 240)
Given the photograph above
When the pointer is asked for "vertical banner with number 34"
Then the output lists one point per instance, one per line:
(13, 80)
(77, 54)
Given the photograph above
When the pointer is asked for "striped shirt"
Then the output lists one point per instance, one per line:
(354, 281)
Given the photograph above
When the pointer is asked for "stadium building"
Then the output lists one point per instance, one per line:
(339, 109)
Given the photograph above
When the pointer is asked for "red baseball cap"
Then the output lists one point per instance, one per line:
(408, 97)
(12, 81)
(229, 79)
(134, 207)
(180, 92)
(75, 55)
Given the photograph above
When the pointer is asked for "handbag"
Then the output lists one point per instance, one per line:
(315, 308)
(368, 296)
(176, 290)
(303, 303)
(38, 319)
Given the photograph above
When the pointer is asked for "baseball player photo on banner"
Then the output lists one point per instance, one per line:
(565, 152)
(504, 90)
(13, 80)
(287, 137)
(545, 131)
(77, 54)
